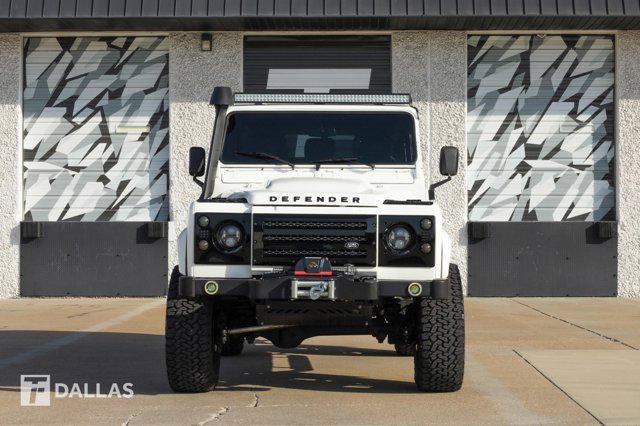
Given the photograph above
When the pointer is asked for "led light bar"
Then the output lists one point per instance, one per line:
(320, 98)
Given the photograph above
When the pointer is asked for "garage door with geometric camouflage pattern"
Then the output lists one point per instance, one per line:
(95, 166)
(541, 165)
(540, 128)
(96, 133)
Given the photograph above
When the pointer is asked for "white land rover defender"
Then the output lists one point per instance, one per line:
(315, 219)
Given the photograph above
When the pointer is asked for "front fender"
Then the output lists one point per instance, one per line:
(445, 258)
(182, 252)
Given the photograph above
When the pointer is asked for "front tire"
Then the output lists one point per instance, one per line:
(405, 349)
(191, 349)
(439, 358)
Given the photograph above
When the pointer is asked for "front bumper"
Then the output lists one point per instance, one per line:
(280, 288)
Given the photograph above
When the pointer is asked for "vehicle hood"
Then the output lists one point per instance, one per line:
(317, 191)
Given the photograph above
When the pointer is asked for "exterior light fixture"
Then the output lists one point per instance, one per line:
(426, 223)
(203, 221)
(211, 287)
(206, 42)
(398, 238)
(203, 245)
(323, 98)
(415, 289)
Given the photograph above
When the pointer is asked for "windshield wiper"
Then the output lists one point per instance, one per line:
(265, 156)
(352, 160)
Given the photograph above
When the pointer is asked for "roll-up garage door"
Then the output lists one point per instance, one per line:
(317, 64)
(540, 177)
(95, 164)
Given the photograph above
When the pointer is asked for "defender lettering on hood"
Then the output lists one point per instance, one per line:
(313, 199)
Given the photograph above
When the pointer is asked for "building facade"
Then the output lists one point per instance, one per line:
(101, 102)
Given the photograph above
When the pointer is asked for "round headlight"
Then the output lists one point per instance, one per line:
(398, 237)
(229, 236)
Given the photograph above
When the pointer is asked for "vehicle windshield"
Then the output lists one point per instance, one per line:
(311, 137)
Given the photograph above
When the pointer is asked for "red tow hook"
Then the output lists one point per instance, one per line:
(313, 266)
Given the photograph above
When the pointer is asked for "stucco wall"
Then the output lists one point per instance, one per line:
(10, 169)
(432, 67)
(192, 76)
(628, 161)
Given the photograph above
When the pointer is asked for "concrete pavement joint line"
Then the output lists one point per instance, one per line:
(604, 336)
(90, 312)
(76, 335)
(558, 387)
(511, 408)
(131, 417)
(214, 417)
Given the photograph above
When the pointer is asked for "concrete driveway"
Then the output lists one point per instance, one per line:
(529, 361)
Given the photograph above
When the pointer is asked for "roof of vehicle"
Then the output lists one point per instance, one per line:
(293, 107)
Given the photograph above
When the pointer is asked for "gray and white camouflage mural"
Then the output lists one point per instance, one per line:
(540, 128)
(96, 130)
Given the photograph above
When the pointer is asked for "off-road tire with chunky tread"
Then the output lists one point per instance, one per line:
(233, 346)
(439, 358)
(405, 349)
(192, 355)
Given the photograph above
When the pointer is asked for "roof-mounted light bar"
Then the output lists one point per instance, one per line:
(320, 98)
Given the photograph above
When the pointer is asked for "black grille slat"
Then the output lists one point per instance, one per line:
(283, 239)
(313, 225)
(315, 238)
(316, 253)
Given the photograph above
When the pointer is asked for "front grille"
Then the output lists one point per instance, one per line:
(281, 240)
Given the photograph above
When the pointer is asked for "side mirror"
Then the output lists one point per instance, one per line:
(196, 161)
(449, 161)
